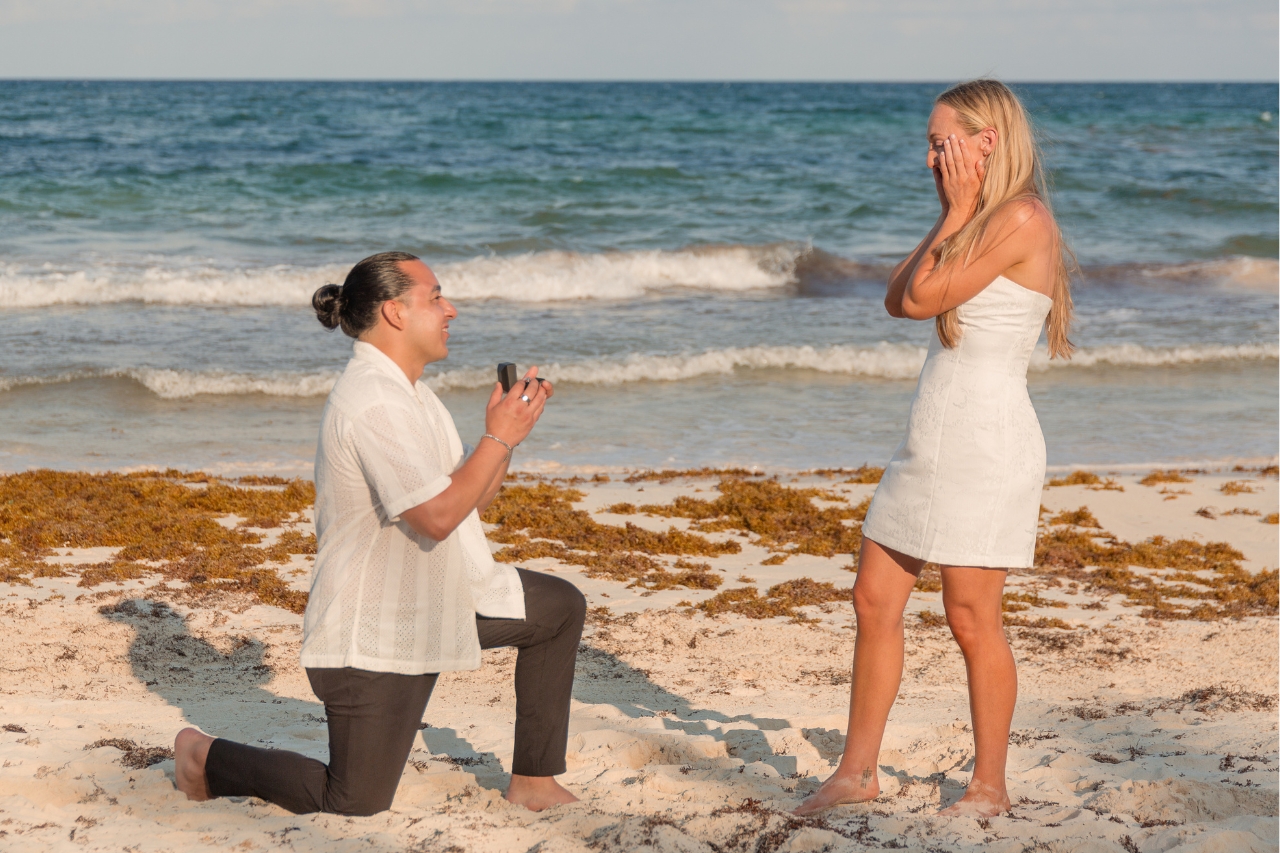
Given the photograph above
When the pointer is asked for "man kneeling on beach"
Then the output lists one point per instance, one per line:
(404, 585)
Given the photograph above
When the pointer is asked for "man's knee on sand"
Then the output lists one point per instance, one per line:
(360, 805)
(348, 805)
(356, 798)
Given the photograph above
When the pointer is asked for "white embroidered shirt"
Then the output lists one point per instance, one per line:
(385, 598)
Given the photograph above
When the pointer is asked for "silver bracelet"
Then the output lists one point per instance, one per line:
(509, 448)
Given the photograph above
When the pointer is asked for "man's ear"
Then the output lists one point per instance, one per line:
(987, 139)
(393, 312)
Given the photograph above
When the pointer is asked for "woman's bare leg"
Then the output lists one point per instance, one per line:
(972, 598)
(885, 580)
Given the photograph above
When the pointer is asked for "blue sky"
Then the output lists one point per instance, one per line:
(641, 39)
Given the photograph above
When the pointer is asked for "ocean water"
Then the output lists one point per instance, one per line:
(699, 267)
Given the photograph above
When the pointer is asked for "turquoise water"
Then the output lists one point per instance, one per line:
(700, 266)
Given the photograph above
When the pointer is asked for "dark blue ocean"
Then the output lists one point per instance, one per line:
(699, 266)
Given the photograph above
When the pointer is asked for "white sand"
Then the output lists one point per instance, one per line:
(677, 719)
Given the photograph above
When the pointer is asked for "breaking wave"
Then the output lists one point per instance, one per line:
(1239, 272)
(882, 361)
(179, 384)
(549, 276)
(532, 277)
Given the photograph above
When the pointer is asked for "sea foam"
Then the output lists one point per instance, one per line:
(541, 277)
(186, 285)
(881, 361)
(179, 384)
(549, 276)
(1236, 272)
(531, 277)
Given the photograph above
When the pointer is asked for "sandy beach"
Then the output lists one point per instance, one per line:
(712, 680)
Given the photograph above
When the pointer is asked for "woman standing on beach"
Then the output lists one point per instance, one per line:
(963, 489)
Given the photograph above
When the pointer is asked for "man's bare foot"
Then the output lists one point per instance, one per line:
(840, 790)
(190, 749)
(979, 800)
(536, 793)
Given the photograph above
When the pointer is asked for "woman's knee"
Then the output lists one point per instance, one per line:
(970, 627)
(962, 628)
(875, 610)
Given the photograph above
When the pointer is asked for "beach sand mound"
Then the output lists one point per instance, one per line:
(1184, 801)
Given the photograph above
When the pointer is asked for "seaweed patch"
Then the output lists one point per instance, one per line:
(1187, 579)
(932, 619)
(865, 475)
(785, 520)
(132, 756)
(1089, 480)
(162, 523)
(779, 600)
(540, 521)
(1015, 602)
(1156, 477)
(688, 474)
(1076, 518)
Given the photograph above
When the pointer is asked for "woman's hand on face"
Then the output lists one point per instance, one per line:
(931, 161)
(960, 174)
(511, 418)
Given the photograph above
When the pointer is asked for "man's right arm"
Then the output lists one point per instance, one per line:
(473, 485)
(438, 517)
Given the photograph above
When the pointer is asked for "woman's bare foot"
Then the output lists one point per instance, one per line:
(190, 749)
(841, 790)
(536, 793)
(979, 800)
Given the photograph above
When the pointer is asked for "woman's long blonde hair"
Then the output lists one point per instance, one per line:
(1013, 173)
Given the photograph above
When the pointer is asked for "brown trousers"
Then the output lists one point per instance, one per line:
(374, 716)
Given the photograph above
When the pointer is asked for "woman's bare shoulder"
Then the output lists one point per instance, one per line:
(1019, 229)
(1025, 219)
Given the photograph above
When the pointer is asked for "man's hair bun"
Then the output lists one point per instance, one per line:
(371, 282)
(328, 304)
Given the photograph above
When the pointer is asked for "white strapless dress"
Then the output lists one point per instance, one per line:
(963, 488)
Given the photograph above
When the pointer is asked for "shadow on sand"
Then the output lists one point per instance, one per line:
(604, 678)
(217, 689)
(222, 691)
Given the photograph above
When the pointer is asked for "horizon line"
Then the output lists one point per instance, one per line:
(641, 80)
